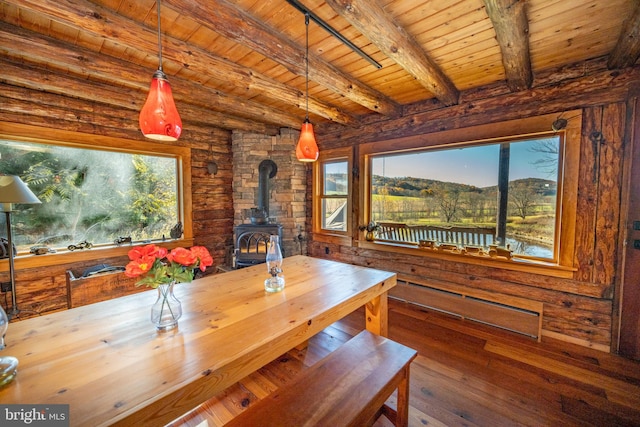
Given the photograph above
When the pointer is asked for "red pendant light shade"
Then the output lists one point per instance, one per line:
(159, 118)
(307, 149)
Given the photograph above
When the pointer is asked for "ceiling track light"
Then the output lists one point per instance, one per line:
(328, 28)
(159, 118)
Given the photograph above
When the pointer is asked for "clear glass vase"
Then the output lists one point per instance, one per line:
(167, 309)
(275, 283)
(8, 364)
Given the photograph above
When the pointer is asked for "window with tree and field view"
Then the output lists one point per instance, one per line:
(91, 194)
(509, 186)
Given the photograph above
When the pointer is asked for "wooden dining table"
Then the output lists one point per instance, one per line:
(111, 366)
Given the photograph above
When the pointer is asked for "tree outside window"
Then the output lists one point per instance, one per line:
(458, 187)
(90, 194)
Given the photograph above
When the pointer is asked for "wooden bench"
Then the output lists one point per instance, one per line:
(349, 387)
(400, 232)
(395, 231)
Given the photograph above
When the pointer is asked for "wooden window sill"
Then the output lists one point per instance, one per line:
(516, 264)
(338, 239)
(95, 253)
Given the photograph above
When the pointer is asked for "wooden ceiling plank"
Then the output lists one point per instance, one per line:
(34, 20)
(372, 21)
(468, 36)
(442, 24)
(481, 47)
(568, 42)
(182, 27)
(130, 8)
(226, 19)
(549, 31)
(416, 11)
(626, 52)
(512, 32)
(574, 31)
(551, 16)
(49, 102)
(569, 52)
(92, 18)
(17, 43)
(457, 34)
(213, 42)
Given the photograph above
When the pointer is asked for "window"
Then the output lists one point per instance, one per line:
(459, 187)
(335, 190)
(332, 190)
(506, 186)
(94, 194)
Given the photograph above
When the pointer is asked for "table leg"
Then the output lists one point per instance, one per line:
(377, 316)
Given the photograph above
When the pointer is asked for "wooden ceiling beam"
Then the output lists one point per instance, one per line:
(18, 100)
(66, 73)
(374, 23)
(627, 49)
(236, 24)
(110, 26)
(511, 25)
(44, 82)
(37, 113)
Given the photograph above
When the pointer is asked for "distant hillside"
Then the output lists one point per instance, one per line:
(542, 187)
(420, 187)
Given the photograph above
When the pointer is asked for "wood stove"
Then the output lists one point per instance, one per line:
(251, 242)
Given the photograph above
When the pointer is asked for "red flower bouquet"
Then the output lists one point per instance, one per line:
(158, 266)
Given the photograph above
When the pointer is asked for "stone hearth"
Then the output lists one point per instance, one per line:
(287, 190)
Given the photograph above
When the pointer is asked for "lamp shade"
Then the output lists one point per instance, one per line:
(14, 190)
(159, 118)
(307, 149)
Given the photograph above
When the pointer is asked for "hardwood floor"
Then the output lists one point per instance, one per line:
(468, 374)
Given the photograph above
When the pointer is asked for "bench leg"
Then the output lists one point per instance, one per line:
(402, 413)
(399, 417)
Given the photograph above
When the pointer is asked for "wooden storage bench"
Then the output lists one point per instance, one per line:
(100, 287)
(349, 387)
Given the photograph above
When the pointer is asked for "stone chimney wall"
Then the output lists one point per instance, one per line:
(287, 190)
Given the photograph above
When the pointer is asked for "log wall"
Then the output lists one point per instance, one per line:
(579, 309)
(43, 289)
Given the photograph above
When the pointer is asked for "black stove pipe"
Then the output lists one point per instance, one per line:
(267, 169)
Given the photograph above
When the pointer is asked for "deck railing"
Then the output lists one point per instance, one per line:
(465, 236)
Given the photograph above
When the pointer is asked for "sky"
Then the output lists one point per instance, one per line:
(472, 165)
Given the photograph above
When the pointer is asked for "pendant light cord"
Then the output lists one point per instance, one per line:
(159, 39)
(306, 23)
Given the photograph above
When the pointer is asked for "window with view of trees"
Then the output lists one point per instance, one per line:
(509, 187)
(90, 194)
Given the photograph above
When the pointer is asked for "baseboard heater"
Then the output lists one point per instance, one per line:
(502, 311)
